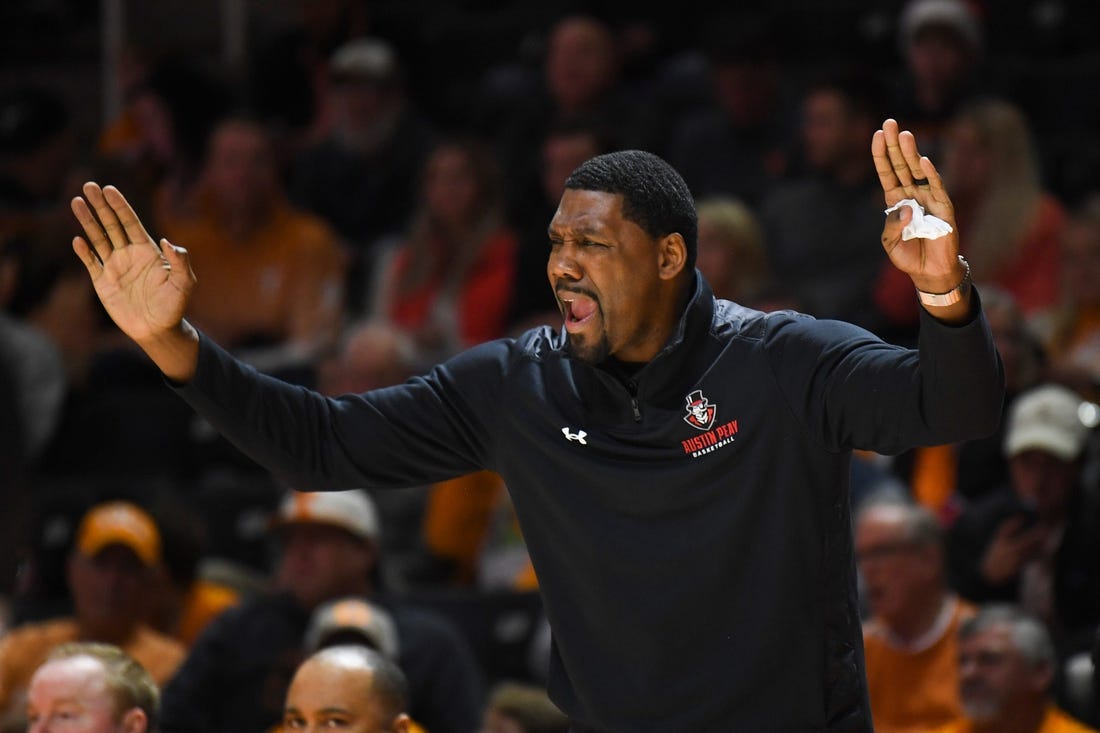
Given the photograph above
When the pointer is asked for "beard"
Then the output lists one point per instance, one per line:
(590, 352)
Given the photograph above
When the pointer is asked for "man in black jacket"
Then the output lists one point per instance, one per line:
(679, 464)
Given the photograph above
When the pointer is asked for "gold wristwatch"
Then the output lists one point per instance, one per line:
(952, 296)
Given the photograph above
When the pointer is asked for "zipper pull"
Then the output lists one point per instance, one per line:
(632, 387)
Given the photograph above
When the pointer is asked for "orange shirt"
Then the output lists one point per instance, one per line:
(204, 602)
(1055, 721)
(914, 690)
(283, 282)
(26, 647)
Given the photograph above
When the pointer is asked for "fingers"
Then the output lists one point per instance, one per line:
(174, 257)
(87, 255)
(94, 232)
(885, 171)
(135, 230)
(897, 160)
(108, 220)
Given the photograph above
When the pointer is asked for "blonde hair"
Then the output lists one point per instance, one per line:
(744, 237)
(1013, 190)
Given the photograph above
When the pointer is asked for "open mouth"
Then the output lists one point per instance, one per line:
(578, 310)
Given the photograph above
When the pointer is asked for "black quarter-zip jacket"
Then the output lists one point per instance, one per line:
(689, 526)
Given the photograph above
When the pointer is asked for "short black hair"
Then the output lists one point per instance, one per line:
(655, 196)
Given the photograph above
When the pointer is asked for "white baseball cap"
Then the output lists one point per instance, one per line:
(351, 510)
(1047, 418)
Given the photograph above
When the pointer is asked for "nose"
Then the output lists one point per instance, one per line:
(563, 263)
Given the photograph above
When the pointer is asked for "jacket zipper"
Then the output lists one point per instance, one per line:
(632, 388)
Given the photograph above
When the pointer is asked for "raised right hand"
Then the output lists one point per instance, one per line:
(145, 288)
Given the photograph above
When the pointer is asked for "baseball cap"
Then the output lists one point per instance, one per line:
(352, 619)
(351, 510)
(1047, 418)
(365, 58)
(955, 15)
(119, 523)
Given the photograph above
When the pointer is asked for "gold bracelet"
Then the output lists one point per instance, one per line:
(952, 296)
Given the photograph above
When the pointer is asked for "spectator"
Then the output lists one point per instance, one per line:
(117, 548)
(352, 620)
(289, 65)
(1071, 329)
(273, 275)
(1007, 667)
(360, 176)
(352, 687)
(449, 282)
(942, 45)
(741, 145)
(184, 602)
(520, 708)
(581, 78)
(1034, 541)
(37, 151)
(50, 331)
(170, 108)
(732, 254)
(817, 226)
(909, 640)
(90, 687)
(1010, 232)
(237, 673)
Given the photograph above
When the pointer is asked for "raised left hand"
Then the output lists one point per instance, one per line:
(932, 264)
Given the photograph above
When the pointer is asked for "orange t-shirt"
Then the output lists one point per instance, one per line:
(285, 281)
(913, 691)
(204, 602)
(1055, 721)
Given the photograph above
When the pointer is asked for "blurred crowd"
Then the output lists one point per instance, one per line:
(370, 195)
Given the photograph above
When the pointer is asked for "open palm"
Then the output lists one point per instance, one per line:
(905, 174)
(145, 288)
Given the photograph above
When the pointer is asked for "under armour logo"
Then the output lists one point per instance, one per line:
(578, 436)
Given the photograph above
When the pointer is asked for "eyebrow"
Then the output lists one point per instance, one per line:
(581, 231)
(330, 709)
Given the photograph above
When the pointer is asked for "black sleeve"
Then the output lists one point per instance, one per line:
(429, 429)
(852, 390)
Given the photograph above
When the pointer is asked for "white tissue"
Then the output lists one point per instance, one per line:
(921, 225)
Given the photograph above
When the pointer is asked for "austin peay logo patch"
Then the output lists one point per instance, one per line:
(700, 413)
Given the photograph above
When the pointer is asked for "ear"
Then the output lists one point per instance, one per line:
(403, 724)
(135, 720)
(671, 256)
